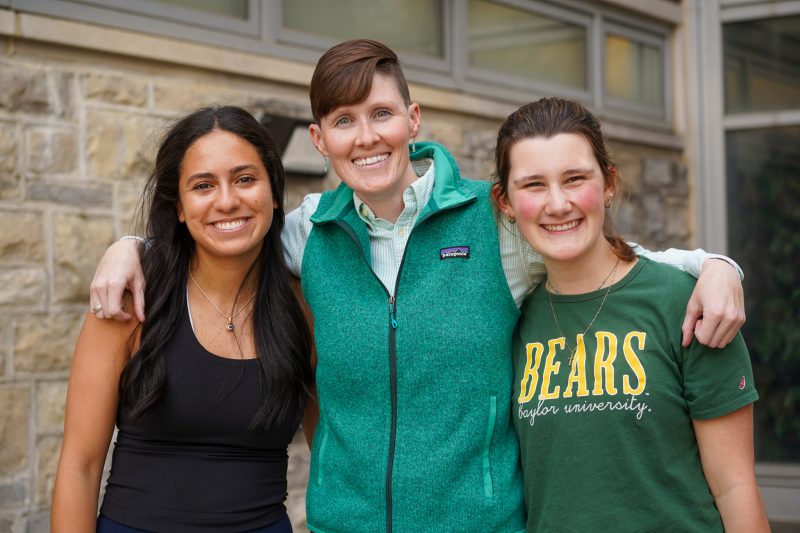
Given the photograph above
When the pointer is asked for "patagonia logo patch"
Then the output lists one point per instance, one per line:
(454, 251)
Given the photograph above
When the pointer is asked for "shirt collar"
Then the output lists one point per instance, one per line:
(415, 197)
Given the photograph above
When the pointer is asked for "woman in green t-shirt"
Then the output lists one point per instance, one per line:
(621, 428)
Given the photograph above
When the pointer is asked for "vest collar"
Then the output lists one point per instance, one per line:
(448, 189)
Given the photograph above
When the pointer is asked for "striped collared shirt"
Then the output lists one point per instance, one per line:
(523, 267)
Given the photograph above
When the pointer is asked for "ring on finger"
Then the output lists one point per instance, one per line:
(97, 308)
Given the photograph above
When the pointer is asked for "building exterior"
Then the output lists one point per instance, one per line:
(700, 99)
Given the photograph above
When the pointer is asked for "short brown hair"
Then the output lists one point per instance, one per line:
(547, 118)
(344, 73)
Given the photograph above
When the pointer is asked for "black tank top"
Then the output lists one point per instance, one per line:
(191, 464)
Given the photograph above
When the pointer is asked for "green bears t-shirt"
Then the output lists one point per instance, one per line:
(607, 443)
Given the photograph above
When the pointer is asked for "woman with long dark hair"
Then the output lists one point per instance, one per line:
(208, 391)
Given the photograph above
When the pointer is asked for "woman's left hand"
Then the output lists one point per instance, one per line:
(715, 312)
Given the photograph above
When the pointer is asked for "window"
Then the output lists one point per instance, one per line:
(527, 44)
(762, 147)
(633, 71)
(764, 217)
(230, 8)
(762, 65)
(413, 26)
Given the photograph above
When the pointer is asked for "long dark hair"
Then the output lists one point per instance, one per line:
(280, 331)
(546, 118)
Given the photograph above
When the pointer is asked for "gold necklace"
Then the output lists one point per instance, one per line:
(572, 349)
(229, 326)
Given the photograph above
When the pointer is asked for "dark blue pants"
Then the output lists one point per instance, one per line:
(106, 525)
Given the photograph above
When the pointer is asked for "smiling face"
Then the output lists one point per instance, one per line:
(556, 191)
(225, 198)
(367, 142)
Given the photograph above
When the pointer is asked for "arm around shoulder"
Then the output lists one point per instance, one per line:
(715, 311)
(119, 270)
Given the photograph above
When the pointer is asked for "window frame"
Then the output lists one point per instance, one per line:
(304, 46)
(262, 33)
(485, 81)
(655, 37)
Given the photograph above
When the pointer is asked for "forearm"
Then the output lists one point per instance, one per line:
(690, 261)
(741, 509)
(75, 499)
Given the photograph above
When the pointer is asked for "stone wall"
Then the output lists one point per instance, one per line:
(77, 136)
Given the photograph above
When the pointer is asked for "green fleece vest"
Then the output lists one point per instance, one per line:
(415, 432)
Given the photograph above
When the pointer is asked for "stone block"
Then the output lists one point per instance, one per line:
(14, 420)
(21, 240)
(114, 89)
(51, 397)
(297, 481)
(89, 195)
(44, 342)
(630, 167)
(12, 495)
(677, 220)
(78, 243)
(22, 286)
(47, 453)
(51, 150)
(627, 221)
(7, 521)
(288, 106)
(24, 89)
(183, 98)
(447, 131)
(120, 145)
(129, 194)
(656, 172)
(38, 523)
(63, 93)
(9, 171)
(654, 219)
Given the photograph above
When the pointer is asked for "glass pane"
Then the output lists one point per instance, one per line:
(521, 43)
(764, 237)
(413, 26)
(231, 8)
(633, 71)
(762, 65)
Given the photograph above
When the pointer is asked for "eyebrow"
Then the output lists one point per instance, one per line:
(234, 170)
(568, 172)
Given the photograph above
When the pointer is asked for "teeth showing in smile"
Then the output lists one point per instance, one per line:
(561, 227)
(370, 160)
(228, 225)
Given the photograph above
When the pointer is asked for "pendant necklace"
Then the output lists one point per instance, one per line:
(229, 326)
(573, 349)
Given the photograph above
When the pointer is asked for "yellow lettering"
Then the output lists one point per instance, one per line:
(604, 365)
(634, 363)
(577, 374)
(550, 368)
(530, 378)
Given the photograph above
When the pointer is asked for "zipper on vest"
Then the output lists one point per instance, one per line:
(392, 354)
(393, 389)
(392, 364)
(393, 375)
(392, 319)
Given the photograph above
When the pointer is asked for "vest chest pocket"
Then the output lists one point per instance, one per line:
(487, 446)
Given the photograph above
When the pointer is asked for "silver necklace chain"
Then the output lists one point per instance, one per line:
(229, 326)
(572, 349)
